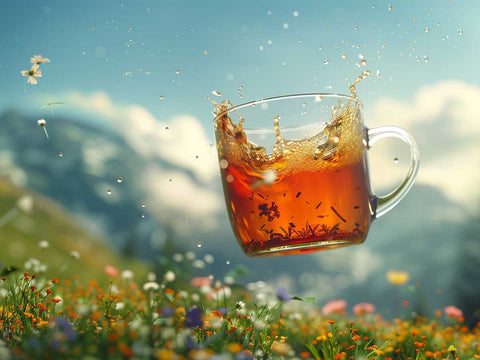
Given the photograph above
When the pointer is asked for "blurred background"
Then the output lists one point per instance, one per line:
(128, 175)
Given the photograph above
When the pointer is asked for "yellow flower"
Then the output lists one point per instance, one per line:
(398, 277)
(42, 324)
(234, 348)
(32, 73)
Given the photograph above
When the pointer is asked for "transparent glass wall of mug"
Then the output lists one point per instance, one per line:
(295, 176)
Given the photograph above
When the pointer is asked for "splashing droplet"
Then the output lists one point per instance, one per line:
(363, 62)
(318, 98)
(199, 244)
(119, 179)
(109, 191)
(216, 93)
(223, 164)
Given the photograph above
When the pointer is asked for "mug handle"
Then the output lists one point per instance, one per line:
(387, 202)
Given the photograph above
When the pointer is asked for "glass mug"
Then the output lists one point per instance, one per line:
(295, 176)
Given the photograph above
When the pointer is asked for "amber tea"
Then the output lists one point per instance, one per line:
(300, 184)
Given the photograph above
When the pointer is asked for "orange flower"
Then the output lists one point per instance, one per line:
(56, 301)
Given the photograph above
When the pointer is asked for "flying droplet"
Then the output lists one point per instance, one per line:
(285, 26)
(426, 30)
(205, 52)
(144, 204)
(364, 62)
(417, 59)
(227, 262)
(199, 244)
(295, 13)
(216, 93)
(161, 97)
(344, 56)
(389, 8)
(355, 28)
(395, 160)
(186, 219)
(378, 73)
(143, 216)
(460, 32)
(326, 62)
(60, 154)
(425, 59)
(299, 41)
(177, 71)
(240, 88)
(119, 179)
(109, 191)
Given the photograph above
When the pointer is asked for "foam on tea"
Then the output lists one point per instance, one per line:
(304, 191)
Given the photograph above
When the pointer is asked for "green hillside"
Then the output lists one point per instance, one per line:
(25, 225)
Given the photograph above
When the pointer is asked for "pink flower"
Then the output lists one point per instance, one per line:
(453, 312)
(363, 308)
(334, 306)
(200, 281)
(111, 270)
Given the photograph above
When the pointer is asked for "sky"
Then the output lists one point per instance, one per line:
(142, 66)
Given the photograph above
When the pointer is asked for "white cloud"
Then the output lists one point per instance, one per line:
(444, 118)
(192, 199)
(181, 141)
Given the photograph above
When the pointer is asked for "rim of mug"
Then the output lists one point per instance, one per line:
(291, 96)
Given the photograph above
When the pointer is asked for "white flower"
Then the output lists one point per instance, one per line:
(25, 203)
(240, 305)
(190, 255)
(199, 264)
(169, 276)
(151, 286)
(39, 59)
(43, 244)
(178, 257)
(127, 274)
(75, 254)
(119, 306)
(32, 73)
(151, 276)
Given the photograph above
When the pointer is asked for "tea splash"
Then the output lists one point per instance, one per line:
(305, 193)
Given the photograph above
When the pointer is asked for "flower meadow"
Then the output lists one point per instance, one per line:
(170, 315)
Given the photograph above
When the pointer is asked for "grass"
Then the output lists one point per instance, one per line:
(31, 221)
(61, 318)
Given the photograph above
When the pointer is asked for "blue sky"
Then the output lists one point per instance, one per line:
(132, 49)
